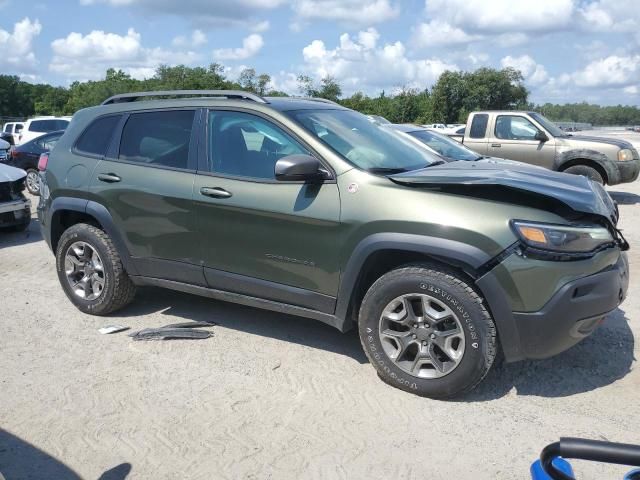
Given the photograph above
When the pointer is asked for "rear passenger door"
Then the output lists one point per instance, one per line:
(260, 236)
(146, 183)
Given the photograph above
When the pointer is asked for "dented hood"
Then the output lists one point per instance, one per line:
(10, 174)
(575, 191)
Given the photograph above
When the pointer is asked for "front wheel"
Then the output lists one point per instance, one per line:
(589, 172)
(426, 331)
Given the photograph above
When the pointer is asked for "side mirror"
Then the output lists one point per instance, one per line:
(541, 136)
(300, 167)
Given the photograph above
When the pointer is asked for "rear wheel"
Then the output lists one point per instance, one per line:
(33, 182)
(427, 332)
(91, 272)
(589, 172)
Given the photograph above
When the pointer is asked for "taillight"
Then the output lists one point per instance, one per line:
(42, 161)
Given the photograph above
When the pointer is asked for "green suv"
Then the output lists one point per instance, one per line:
(305, 207)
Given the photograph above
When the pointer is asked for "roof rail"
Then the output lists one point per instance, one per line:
(132, 97)
(316, 99)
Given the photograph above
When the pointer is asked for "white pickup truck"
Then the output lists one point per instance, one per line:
(531, 138)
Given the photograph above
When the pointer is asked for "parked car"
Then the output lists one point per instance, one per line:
(531, 138)
(439, 144)
(26, 157)
(4, 150)
(308, 208)
(15, 209)
(380, 119)
(11, 131)
(35, 127)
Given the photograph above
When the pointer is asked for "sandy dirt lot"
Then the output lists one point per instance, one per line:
(274, 396)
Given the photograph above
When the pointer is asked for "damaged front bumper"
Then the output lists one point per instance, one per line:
(15, 212)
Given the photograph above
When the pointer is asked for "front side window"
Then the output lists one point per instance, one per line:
(158, 138)
(96, 138)
(43, 126)
(245, 145)
(511, 127)
(366, 144)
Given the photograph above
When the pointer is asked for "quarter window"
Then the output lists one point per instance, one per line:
(96, 138)
(158, 138)
(479, 125)
(246, 145)
(511, 127)
(49, 142)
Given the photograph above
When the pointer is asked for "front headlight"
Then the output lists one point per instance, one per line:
(625, 154)
(562, 238)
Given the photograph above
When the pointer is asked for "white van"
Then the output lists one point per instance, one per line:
(13, 129)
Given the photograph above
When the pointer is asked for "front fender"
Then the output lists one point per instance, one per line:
(599, 158)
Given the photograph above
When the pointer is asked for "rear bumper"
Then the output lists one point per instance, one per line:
(573, 313)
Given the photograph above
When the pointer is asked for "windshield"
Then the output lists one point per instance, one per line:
(444, 145)
(548, 125)
(364, 143)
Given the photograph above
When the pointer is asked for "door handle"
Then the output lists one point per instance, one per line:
(496, 145)
(109, 177)
(215, 192)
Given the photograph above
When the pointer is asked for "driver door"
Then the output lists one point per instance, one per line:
(259, 236)
(513, 138)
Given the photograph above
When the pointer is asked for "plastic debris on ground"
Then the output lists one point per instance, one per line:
(187, 330)
(112, 329)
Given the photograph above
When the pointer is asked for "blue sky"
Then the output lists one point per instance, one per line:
(568, 50)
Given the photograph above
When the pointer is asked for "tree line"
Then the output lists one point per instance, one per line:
(450, 100)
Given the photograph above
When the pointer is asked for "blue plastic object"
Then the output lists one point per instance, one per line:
(537, 473)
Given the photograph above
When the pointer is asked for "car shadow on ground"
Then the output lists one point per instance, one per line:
(20, 459)
(625, 198)
(599, 360)
(30, 235)
(288, 328)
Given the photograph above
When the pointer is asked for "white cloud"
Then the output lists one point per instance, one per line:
(437, 33)
(350, 12)
(196, 39)
(612, 71)
(501, 16)
(200, 12)
(361, 64)
(250, 46)
(89, 56)
(608, 15)
(260, 26)
(533, 73)
(16, 48)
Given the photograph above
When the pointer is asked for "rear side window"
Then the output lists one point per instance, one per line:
(96, 138)
(7, 127)
(48, 142)
(18, 128)
(479, 125)
(48, 125)
(158, 138)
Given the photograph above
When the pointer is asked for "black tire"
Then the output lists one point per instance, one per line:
(451, 291)
(32, 190)
(589, 172)
(118, 290)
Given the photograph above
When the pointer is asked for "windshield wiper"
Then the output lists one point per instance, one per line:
(386, 170)
(435, 164)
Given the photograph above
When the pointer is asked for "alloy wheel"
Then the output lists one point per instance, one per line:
(84, 270)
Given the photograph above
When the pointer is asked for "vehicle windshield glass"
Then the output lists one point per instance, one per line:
(364, 143)
(444, 145)
(548, 125)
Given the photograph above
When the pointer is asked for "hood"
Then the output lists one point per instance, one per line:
(11, 174)
(574, 191)
(616, 142)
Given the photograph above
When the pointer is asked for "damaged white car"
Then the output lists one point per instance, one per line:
(15, 208)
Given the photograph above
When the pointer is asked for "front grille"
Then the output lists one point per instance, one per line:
(11, 190)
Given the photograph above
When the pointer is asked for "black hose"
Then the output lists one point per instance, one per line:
(549, 453)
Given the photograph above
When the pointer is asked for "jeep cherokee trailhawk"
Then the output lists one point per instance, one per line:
(305, 207)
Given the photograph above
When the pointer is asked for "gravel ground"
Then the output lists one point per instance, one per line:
(273, 396)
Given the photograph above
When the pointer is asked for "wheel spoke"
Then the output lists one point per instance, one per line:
(444, 341)
(438, 364)
(436, 314)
